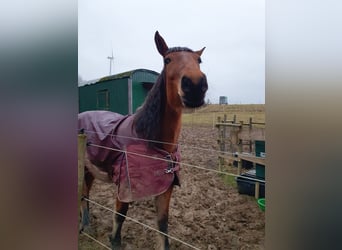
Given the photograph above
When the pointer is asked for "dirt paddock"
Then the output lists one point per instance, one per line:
(204, 212)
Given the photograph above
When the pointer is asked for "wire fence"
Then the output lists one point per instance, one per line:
(145, 226)
(95, 240)
(169, 161)
(181, 163)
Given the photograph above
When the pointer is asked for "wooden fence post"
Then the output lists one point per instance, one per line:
(218, 119)
(239, 166)
(224, 132)
(257, 188)
(239, 153)
(81, 154)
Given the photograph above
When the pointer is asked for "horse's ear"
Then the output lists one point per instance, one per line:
(161, 44)
(199, 52)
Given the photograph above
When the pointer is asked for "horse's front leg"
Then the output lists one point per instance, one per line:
(162, 206)
(118, 220)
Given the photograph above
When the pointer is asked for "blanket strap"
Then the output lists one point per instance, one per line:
(173, 164)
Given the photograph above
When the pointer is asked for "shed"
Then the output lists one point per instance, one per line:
(122, 93)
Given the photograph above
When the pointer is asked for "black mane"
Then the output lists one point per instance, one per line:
(178, 49)
(148, 117)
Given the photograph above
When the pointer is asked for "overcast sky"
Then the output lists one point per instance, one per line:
(233, 32)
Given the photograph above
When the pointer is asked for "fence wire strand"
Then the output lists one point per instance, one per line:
(181, 163)
(142, 224)
(156, 141)
(157, 158)
(98, 242)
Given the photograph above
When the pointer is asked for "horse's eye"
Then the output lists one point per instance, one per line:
(199, 60)
(167, 60)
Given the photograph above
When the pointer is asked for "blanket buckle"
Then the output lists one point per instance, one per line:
(170, 167)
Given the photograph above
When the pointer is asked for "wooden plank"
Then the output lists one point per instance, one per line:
(231, 123)
(258, 160)
(258, 123)
(230, 157)
(228, 124)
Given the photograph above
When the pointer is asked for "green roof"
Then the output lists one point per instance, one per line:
(144, 75)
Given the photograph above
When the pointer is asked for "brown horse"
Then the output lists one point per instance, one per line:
(180, 84)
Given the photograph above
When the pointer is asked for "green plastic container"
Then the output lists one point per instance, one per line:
(261, 203)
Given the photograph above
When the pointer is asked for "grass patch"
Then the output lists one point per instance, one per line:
(229, 180)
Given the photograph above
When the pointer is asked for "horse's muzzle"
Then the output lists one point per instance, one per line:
(194, 93)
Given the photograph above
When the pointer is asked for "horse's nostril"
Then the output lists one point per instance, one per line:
(186, 84)
(204, 84)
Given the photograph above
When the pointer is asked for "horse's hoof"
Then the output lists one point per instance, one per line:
(116, 243)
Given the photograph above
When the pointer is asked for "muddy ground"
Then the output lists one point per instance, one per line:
(204, 212)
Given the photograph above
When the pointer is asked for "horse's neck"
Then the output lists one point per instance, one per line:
(171, 128)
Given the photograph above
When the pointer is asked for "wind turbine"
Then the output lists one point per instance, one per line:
(111, 61)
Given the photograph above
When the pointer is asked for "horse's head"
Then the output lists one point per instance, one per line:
(186, 84)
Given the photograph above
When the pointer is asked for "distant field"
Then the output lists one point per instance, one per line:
(208, 115)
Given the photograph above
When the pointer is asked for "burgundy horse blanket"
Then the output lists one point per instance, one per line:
(139, 170)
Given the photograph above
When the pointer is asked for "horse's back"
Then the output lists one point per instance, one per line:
(105, 129)
(101, 122)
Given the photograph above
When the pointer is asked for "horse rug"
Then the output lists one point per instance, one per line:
(140, 171)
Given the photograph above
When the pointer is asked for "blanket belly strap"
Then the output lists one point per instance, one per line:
(173, 164)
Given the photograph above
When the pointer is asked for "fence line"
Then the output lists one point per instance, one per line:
(140, 223)
(182, 164)
(97, 241)
(167, 160)
(168, 143)
(176, 144)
